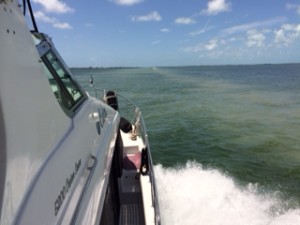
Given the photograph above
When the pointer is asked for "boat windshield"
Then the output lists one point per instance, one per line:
(66, 90)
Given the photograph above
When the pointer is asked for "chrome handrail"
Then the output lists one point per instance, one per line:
(139, 122)
(133, 114)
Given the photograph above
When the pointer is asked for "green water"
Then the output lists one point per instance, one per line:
(241, 121)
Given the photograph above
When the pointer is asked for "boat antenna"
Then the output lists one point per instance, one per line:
(35, 28)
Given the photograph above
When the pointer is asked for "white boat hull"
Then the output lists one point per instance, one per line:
(61, 158)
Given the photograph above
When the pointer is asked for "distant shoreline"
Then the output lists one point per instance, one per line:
(154, 67)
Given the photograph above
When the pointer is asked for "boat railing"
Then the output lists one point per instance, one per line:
(130, 111)
(126, 108)
(152, 180)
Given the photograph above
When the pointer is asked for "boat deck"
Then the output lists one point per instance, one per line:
(131, 214)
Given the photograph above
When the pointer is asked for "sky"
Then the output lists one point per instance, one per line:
(147, 33)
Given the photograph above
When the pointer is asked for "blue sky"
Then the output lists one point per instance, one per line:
(172, 32)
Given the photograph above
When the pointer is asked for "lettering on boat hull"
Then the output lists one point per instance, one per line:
(62, 195)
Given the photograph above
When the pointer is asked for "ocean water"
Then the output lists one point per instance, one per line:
(225, 140)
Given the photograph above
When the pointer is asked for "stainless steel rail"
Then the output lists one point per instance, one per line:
(129, 110)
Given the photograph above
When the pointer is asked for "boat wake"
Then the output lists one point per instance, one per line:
(192, 195)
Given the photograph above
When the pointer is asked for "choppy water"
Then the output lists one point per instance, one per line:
(225, 140)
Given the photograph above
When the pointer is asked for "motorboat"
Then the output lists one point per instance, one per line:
(66, 155)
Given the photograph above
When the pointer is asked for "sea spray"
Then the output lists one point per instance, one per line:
(191, 195)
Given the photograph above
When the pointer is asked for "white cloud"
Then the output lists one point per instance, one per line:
(255, 39)
(127, 2)
(215, 7)
(295, 7)
(280, 37)
(185, 20)
(165, 30)
(211, 45)
(287, 34)
(39, 15)
(254, 25)
(152, 16)
(196, 48)
(201, 31)
(63, 26)
(198, 32)
(54, 6)
(270, 37)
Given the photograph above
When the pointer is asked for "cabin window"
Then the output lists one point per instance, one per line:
(65, 89)
(59, 94)
(65, 77)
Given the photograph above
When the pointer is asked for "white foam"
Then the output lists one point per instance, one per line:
(192, 195)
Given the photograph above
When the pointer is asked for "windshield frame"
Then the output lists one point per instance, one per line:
(60, 77)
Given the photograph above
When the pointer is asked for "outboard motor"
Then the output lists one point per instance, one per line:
(111, 99)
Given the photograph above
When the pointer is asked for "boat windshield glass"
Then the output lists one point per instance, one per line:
(59, 94)
(71, 87)
(65, 89)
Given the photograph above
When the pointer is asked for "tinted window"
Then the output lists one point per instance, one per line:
(65, 89)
